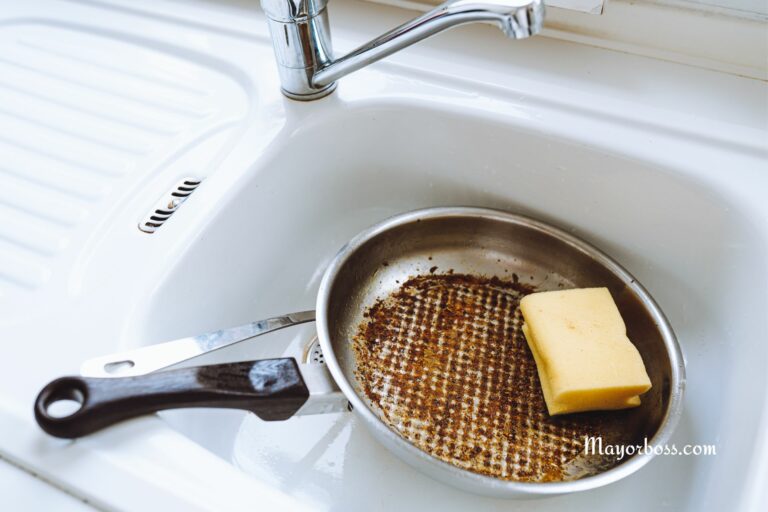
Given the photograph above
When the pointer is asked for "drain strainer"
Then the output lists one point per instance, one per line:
(313, 354)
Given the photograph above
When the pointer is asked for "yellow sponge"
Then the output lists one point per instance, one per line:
(583, 356)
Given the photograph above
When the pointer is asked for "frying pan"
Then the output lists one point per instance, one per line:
(371, 266)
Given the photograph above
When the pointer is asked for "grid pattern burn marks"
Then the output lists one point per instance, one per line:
(444, 362)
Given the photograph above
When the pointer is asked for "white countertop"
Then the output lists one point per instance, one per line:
(19, 490)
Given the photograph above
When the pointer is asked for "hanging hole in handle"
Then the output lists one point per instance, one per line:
(64, 402)
(117, 367)
(63, 408)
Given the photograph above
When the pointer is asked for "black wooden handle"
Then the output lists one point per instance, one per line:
(270, 388)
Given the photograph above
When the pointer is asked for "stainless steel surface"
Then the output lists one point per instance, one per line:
(302, 40)
(485, 242)
(163, 355)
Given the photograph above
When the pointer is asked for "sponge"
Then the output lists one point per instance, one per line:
(584, 358)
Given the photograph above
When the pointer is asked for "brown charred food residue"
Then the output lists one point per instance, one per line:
(444, 362)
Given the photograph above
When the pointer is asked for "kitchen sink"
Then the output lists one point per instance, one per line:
(348, 165)
(609, 146)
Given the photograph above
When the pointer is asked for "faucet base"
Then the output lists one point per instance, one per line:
(315, 95)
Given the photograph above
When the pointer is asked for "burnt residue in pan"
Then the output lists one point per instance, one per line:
(444, 362)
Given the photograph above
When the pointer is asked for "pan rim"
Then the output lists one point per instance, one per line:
(464, 478)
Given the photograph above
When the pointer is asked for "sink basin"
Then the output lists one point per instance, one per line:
(349, 164)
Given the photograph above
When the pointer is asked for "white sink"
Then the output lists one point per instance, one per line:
(348, 164)
(674, 194)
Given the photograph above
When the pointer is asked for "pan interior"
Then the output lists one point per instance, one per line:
(513, 250)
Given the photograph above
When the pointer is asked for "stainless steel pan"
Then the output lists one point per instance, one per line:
(371, 266)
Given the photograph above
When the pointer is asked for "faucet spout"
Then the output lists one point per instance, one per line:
(518, 19)
(302, 43)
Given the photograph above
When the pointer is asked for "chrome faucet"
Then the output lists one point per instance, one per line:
(302, 39)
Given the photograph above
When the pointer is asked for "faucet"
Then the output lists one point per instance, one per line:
(301, 37)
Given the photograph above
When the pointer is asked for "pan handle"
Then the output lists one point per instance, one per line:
(273, 389)
(163, 355)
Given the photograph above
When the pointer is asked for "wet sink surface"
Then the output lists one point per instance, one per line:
(693, 249)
